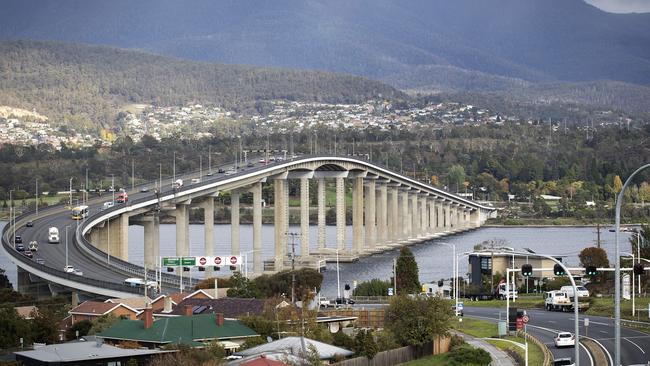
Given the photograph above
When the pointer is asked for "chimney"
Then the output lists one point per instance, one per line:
(167, 305)
(148, 318)
(219, 319)
(187, 310)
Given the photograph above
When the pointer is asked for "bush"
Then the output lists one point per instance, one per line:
(343, 340)
(467, 355)
(374, 287)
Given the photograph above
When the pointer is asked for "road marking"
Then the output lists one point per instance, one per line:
(609, 356)
(551, 321)
(597, 323)
(604, 331)
(637, 346)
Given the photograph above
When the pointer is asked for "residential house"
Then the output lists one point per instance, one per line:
(193, 330)
(293, 346)
(230, 307)
(91, 310)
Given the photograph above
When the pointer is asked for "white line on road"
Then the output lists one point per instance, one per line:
(637, 346)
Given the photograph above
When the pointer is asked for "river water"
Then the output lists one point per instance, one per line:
(434, 260)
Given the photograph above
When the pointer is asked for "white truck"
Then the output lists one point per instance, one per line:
(177, 184)
(501, 292)
(560, 300)
(53, 235)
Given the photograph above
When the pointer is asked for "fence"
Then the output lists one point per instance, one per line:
(366, 318)
(400, 355)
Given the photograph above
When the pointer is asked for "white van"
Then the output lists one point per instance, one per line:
(53, 235)
(107, 205)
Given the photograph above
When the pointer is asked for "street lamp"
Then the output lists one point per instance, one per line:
(113, 186)
(71, 178)
(66, 245)
(617, 270)
(454, 270)
(12, 214)
(632, 292)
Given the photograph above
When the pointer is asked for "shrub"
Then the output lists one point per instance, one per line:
(467, 355)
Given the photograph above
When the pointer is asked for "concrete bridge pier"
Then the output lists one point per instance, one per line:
(321, 214)
(118, 237)
(304, 218)
(424, 215)
(404, 209)
(358, 241)
(340, 213)
(393, 213)
(182, 215)
(208, 228)
(234, 221)
(415, 214)
(280, 216)
(151, 224)
(258, 266)
(370, 212)
(382, 208)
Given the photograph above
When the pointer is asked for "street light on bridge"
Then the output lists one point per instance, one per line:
(617, 269)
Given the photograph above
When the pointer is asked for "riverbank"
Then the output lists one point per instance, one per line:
(563, 222)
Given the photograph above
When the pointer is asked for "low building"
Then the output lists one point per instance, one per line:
(26, 312)
(293, 346)
(91, 310)
(194, 331)
(488, 263)
(230, 307)
(84, 353)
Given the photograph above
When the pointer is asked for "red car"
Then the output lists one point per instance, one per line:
(28, 254)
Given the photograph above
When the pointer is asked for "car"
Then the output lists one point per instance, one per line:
(564, 339)
(68, 269)
(221, 171)
(564, 361)
(18, 239)
(144, 189)
(342, 301)
(250, 164)
(33, 246)
(210, 174)
(40, 260)
(29, 224)
(28, 254)
(78, 272)
(20, 247)
(108, 205)
(195, 180)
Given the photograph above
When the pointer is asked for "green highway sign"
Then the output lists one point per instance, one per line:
(171, 261)
(188, 261)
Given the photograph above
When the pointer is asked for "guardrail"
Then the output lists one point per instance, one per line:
(7, 245)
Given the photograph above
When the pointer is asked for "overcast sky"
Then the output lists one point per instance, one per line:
(622, 6)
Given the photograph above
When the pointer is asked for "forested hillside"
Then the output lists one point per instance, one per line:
(74, 81)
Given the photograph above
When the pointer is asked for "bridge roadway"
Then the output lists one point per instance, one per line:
(106, 279)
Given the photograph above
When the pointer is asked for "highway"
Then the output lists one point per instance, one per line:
(54, 254)
(544, 324)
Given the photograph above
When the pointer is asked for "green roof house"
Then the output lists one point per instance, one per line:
(192, 330)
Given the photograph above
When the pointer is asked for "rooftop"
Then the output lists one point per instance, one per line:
(228, 306)
(82, 352)
(190, 330)
(293, 345)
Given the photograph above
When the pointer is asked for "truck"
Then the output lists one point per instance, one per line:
(53, 235)
(177, 184)
(560, 300)
(501, 291)
(122, 197)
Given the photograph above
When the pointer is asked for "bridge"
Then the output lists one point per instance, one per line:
(389, 210)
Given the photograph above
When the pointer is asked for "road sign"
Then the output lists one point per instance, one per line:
(390, 291)
(460, 306)
(188, 261)
(525, 319)
(586, 322)
(203, 261)
(234, 260)
(626, 287)
(218, 260)
(171, 261)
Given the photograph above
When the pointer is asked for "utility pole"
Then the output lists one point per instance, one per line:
(36, 196)
(174, 173)
(293, 266)
(395, 276)
(133, 175)
(210, 159)
(71, 191)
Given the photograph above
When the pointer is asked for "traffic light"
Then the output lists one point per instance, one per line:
(639, 269)
(170, 269)
(201, 269)
(216, 268)
(558, 270)
(186, 269)
(527, 270)
(591, 270)
(347, 287)
(440, 283)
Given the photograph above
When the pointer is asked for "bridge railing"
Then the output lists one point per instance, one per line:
(6, 243)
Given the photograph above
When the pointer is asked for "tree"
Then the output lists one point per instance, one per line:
(594, 256)
(102, 323)
(45, 322)
(415, 321)
(408, 279)
(12, 328)
(364, 344)
(374, 287)
(456, 176)
(83, 327)
(617, 184)
(242, 287)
